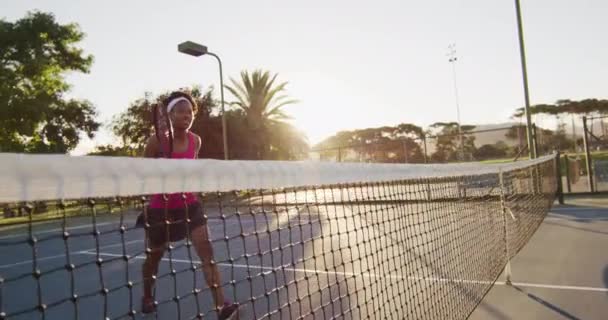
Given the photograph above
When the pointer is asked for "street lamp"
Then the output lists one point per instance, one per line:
(452, 59)
(522, 53)
(197, 50)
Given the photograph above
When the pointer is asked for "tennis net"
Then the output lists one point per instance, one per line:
(291, 240)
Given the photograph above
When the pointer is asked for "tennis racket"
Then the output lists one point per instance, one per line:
(163, 130)
(164, 133)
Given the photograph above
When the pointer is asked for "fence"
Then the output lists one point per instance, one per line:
(480, 145)
(584, 159)
(588, 172)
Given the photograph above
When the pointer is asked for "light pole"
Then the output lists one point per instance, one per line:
(522, 53)
(452, 59)
(197, 50)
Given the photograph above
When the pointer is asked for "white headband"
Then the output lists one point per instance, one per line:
(174, 102)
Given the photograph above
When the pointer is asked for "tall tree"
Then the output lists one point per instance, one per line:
(517, 133)
(286, 143)
(582, 107)
(554, 140)
(262, 100)
(134, 126)
(447, 141)
(113, 151)
(35, 115)
(334, 146)
(587, 107)
(384, 144)
(492, 151)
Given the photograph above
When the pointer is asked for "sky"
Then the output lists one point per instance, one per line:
(352, 64)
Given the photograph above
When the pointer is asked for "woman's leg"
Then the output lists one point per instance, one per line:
(202, 245)
(150, 268)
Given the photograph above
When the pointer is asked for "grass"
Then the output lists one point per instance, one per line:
(492, 161)
(53, 212)
(49, 215)
(597, 155)
(46, 215)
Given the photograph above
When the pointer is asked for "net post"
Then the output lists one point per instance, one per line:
(425, 152)
(534, 141)
(405, 151)
(531, 181)
(567, 169)
(505, 227)
(558, 176)
(587, 155)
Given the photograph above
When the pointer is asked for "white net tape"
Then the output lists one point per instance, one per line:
(26, 177)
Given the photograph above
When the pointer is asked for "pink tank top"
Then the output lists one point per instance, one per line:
(175, 200)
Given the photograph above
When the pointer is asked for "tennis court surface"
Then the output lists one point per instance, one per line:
(301, 240)
(562, 273)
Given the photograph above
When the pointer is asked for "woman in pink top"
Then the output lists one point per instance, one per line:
(176, 209)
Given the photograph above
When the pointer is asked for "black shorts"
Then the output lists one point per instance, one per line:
(169, 225)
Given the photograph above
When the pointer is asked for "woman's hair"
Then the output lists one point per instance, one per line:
(180, 94)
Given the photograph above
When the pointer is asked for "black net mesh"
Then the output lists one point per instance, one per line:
(423, 248)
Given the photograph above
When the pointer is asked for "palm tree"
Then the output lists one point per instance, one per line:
(262, 100)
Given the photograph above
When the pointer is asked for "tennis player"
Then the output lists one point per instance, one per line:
(176, 209)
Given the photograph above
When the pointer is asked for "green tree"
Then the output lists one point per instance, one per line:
(35, 115)
(517, 133)
(447, 141)
(565, 106)
(553, 140)
(134, 126)
(113, 151)
(262, 100)
(411, 136)
(286, 143)
(383, 144)
(492, 151)
(335, 146)
(585, 107)
(547, 140)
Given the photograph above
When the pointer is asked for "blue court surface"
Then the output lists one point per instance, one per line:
(562, 273)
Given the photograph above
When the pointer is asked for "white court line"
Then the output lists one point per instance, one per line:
(372, 275)
(89, 225)
(30, 261)
(87, 251)
(110, 246)
(577, 209)
(248, 220)
(574, 219)
(550, 286)
(55, 230)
